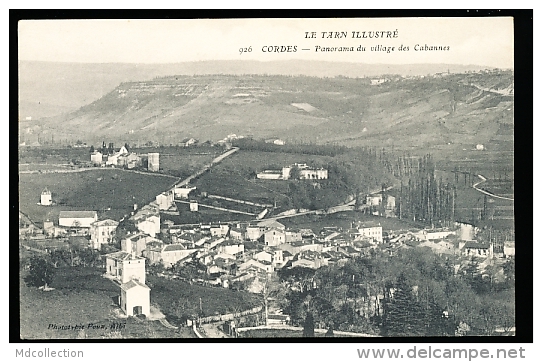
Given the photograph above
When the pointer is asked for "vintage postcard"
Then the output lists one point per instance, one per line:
(266, 178)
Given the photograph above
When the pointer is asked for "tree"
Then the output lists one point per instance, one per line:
(308, 326)
(41, 272)
(91, 149)
(403, 315)
(295, 173)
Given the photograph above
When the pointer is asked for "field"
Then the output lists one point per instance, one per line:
(111, 192)
(81, 297)
(235, 177)
(214, 300)
(344, 220)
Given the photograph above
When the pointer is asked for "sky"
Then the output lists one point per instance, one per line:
(477, 41)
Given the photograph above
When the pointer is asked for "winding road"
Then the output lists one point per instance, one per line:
(482, 180)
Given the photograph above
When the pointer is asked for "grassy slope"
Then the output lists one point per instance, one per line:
(117, 190)
(214, 300)
(81, 297)
(448, 110)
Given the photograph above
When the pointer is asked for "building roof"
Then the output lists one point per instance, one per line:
(46, 191)
(133, 284)
(106, 222)
(78, 214)
(174, 247)
(475, 245)
(271, 223)
(122, 255)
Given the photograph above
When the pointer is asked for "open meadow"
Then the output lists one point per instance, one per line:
(82, 297)
(111, 192)
(176, 298)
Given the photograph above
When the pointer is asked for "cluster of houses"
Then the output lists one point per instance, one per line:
(125, 159)
(305, 173)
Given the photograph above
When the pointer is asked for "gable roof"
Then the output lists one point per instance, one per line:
(106, 222)
(271, 224)
(475, 245)
(133, 284)
(122, 255)
(78, 214)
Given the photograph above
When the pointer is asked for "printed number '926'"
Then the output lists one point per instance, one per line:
(245, 50)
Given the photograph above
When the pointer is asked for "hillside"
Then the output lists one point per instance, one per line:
(49, 88)
(458, 109)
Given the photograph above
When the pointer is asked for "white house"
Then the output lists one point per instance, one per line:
(274, 237)
(114, 158)
(305, 172)
(137, 243)
(102, 232)
(153, 162)
(168, 255)
(270, 223)
(46, 197)
(96, 157)
(124, 267)
(369, 230)
(135, 298)
(82, 219)
(254, 232)
(182, 192)
(219, 230)
(165, 200)
(147, 220)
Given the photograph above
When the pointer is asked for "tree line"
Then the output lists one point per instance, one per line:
(413, 293)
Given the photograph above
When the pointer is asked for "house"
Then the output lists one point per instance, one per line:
(78, 219)
(509, 248)
(370, 230)
(102, 232)
(298, 246)
(309, 259)
(182, 192)
(254, 232)
(137, 243)
(231, 247)
(292, 235)
(96, 158)
(113, 160)
(473, 248)
(165, 200)
(135, 298)
(193, 206)
(123, 267)
(147, 219)
(153, 162)
(256, 266)
(237, 233)
(46, 198)
(373, 200)
(433, 234)
(264, 256)
(270, 223)
(305, 172)
(466, 231)
(479, 147)
(187, 142)
(219, 230)
(269, 175)
(168, 255)
(274, 237)
(132, 161)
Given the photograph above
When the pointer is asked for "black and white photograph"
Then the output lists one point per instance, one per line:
(266, 178)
